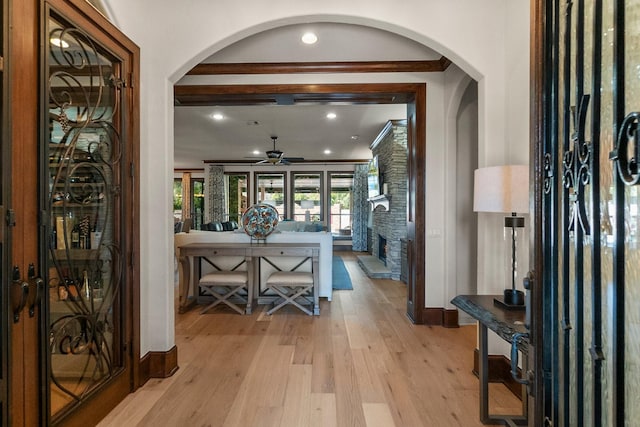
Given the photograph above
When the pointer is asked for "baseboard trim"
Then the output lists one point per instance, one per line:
(499, 371)
(158, 364)
(440, 317)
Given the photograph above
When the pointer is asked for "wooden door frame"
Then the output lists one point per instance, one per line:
(21, 59)
(374, 93)
(5, 229)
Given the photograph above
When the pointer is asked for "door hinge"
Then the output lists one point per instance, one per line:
(129, 80)
(132, 259)
(11, 218)
(1, 63)
(132, 170)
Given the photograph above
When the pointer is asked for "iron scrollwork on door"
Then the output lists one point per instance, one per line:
(626, 162)
(548, 173)
(577, 168)
(85, 262)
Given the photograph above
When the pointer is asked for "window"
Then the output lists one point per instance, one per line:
(270, 190)
(197, 201)
(177, 198)
(307, 196)
(341, 202)
(236, 194)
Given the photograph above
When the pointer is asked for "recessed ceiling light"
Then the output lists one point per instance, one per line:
(58, 42)
(331, 116)
(256, 151)
(309, 38)
(217, 116)
(355, 137)
(327, 151)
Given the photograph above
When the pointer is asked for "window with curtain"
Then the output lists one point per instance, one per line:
(307, 196)
(341, 202)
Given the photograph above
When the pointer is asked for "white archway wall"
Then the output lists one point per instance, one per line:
(484, 38)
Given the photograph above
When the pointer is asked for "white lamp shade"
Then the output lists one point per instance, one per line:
(501, 189)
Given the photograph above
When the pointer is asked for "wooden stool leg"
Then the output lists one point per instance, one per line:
(222, 298)
(290, 298)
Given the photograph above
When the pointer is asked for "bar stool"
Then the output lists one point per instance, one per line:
(291, 285)
(222, 285)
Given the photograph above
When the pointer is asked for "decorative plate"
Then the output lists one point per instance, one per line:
(259, 220)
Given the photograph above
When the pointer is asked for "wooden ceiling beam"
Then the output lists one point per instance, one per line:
(201, 95)
(430, 66)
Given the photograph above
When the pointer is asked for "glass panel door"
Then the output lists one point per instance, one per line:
(270, 189)
(236, 195)
(84, 175)
(341, 202)
(590, 214)
(307, 196)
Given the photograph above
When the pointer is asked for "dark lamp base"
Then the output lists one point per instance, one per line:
(513, 297)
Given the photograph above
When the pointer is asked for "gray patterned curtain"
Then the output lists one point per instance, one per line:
(360, 209)
(214, 202)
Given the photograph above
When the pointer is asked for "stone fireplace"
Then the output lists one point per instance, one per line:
(389, 227)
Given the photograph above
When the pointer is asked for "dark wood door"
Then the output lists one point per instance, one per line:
(20, 64)
(5, 202)
(416, 206)
(69, 94)
(586, 301)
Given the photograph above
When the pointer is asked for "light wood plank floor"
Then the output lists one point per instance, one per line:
(360, 363)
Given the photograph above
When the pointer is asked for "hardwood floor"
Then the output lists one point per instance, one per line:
(360, 363)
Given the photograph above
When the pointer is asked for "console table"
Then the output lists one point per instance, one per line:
(506, 323)
(192, 252)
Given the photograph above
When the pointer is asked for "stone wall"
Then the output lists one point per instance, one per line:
(391, 149)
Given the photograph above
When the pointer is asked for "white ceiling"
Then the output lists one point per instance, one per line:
(302, 130)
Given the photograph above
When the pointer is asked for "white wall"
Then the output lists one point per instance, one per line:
(485, 39)
(466, 221)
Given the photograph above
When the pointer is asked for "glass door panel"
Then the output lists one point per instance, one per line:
(590, 220)
(85, 258)
(307, 196)
(341, 202)
(236, 195)
(270, 189)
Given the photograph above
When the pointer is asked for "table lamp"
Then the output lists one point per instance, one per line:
(504, 189)
(307, 204)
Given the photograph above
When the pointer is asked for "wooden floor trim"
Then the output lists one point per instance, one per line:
(439, 316)
(158, 364)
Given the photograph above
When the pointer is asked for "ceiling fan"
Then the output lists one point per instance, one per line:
(276, 157)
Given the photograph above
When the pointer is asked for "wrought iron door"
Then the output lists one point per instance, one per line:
(88, 240)
(590, 213)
